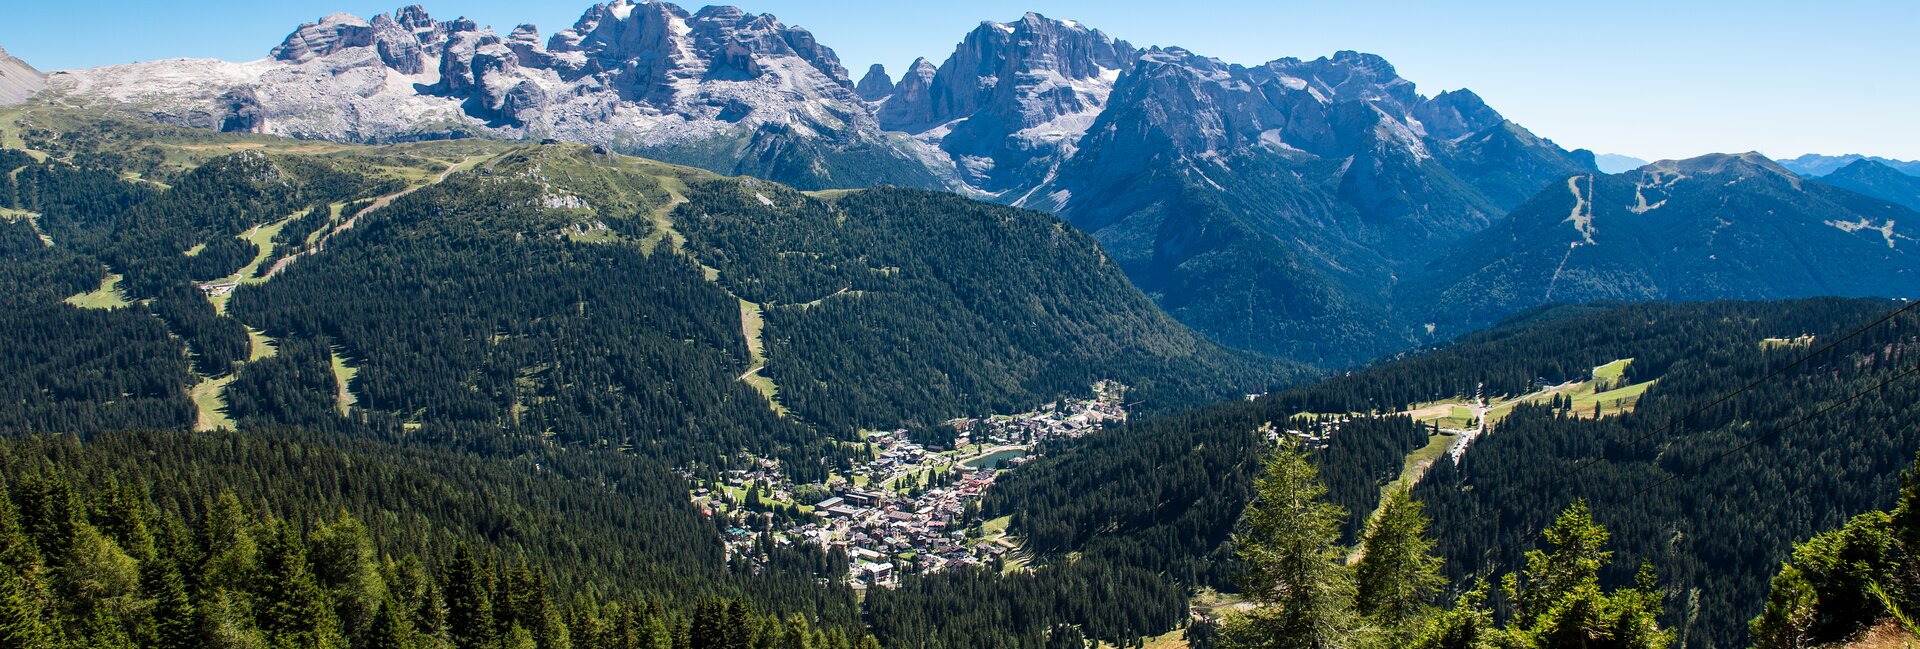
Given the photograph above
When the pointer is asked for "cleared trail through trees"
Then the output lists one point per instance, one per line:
(468, 163)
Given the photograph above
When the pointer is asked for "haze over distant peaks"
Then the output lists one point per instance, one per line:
(1814, 164)
(1614, 163)
(1876, 179)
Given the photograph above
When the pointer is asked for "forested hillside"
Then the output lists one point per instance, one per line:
(1166, 493)
(525, 351)
(183, 539)
(1716, 227)
(1713, 496)
(1854, 583)
(888, 306)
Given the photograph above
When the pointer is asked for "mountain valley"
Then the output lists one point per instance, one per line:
(666, 331)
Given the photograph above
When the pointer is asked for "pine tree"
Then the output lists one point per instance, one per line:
(17, 550)
(175, 625)
(1558, 602)
(392, 628)
(343, 565)
(470, 620)
(21, 625)
(290, 606)
(1289, 542)
(1397, 574)
(1468, 625)
(709, 629)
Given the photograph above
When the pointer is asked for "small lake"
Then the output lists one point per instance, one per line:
(994, 460)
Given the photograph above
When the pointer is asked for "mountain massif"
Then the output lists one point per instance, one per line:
(1270, 207)
(1878, 180)
(1319, 209)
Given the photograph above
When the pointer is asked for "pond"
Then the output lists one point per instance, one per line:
(994, 460)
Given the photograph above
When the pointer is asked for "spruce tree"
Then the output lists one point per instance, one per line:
(1558, 602)
(1289, 543)
(290, 606)
(470, 619)
(175, 625)
(1397, 574)
(21, 624)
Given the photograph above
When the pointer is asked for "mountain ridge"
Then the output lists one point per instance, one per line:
(18, 80)
(1719, 226)
(1814, 164)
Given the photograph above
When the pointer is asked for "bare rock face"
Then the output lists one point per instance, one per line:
(911, 101)
(1455, 114)
(18, 80)
(332, 34)
(400, 48)
(1012, 99)
(648, 77)
(876, 85)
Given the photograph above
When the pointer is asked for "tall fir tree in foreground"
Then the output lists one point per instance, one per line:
(1290, 544)
(1307, 597)
(1397, 575)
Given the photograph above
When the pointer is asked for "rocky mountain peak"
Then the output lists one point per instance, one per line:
(1012, 98)
(876, 85)
(332, 34)
(414, 17)
(1455, 114)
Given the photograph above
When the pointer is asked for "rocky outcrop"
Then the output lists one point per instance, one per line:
(876, 85)
(398, 46)
(1455, 114)
(18, 80)
(332, 34)
(1011, 100)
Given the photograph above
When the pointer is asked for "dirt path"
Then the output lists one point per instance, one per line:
(378, 203)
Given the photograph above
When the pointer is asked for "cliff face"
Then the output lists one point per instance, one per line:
(1012, 100)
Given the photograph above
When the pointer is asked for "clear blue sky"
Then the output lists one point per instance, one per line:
(1654, 79)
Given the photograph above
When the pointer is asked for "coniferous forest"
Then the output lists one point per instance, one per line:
(458, 394)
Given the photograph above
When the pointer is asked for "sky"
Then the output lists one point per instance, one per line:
(1651, 79)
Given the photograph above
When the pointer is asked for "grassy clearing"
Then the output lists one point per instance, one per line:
(1411, 470)
(662, 218)
(752, 323)
(210, 398)
(1612, 371)
(261, 236)
(343, 373)
(1450, 413)
(261, 345)
(1419, 461)
(108, 296)
(1175, 639)
(32, 219)
(995, 528)
(1611, 402)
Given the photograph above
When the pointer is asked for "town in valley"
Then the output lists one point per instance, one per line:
(913, 506)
